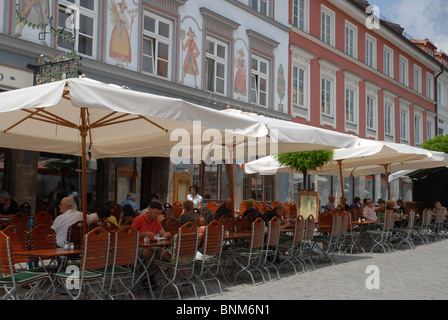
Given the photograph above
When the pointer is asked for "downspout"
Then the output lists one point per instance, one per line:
(436, 98)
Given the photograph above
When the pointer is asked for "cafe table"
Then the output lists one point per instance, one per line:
(49, 254)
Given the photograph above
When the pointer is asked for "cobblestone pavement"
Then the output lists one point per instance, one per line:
(404, 274)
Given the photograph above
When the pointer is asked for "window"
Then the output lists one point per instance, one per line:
(370, 51)
(326, 97)
(259, 81)
(261, 6)
(430, 128)
(215, 66)
(418, 126)
(300, 14)
(417, 79)
(404, 123)
(298, 86)
(351, 35)
(388, 119)
(215, 182)
(156, 52)
(388, 56)
(404, 71)
(349, 105)
(429, 86)
(327, 26)
(370, 111)
(85, 36)
(351, 100)
(258, 187)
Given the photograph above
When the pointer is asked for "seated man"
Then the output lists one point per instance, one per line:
(278, 211)
(148, 225)
(188, 214)
(331, 205)
(7, 205)
(224, 209)
(69, 216)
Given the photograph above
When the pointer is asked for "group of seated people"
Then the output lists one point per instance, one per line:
(370, 212)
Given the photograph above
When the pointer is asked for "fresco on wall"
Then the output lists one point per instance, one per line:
(190, 54)
(33, 17)
(240, 76)
(281, 87)
(122, 18)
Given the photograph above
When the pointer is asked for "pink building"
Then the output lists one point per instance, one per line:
(349, 77)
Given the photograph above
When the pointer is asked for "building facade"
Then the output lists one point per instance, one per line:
(213, 53)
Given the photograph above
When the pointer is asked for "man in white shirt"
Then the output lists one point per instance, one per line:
(69, 216)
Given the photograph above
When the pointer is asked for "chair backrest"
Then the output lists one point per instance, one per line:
(109, 226)
(21, 220)
(273, 232)
(260, 206)
(185, 244)
(293, 210)
(25, 208)
(226, 222)
(4, 225)
(356, 214)
(177, 209)
(274, 203)
(243, 207)
(287, 206)
(241, 223)
(345, 216)
(6, 266)
(168, 209)
(74, 233)
(257, 234)
(172, 226)
(325, 221)
(426, 220)
(42, 236)
(389, 220)
(19, 240)
(212, 205)
(336, 228)
(299, 229)
(411, 219)
(95, 249)
(310, 223)
(214, 233)
(43, 217)
(126, 246)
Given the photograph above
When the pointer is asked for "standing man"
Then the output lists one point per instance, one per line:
(69, 216)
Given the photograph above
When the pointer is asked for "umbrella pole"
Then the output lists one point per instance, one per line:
(83, 133)
(342, 182)
(387, 181)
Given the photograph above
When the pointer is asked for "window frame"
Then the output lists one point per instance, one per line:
(260, 75)
(296, 15)
(331, 32)
(352, 27)
(404, 71)
(391, 63)
(418, 81)
(76, 33)
(217, 60)
(158, 38)
(373, 59)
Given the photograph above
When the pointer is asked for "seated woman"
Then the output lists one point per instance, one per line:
(188, 214)
(107, 213)
(381, 210)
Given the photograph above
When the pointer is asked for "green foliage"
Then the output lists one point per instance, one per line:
(305, 161)
(439, 143)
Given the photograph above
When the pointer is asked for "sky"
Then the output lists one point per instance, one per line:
(420, 18)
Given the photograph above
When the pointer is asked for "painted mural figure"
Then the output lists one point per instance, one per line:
(240, 76)
(120, 41)
(192, 52)
(36, 12)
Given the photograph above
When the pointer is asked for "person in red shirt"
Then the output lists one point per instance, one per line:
(148, 225)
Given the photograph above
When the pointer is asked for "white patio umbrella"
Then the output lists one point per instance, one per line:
(73, 115)
(367, 157)
(289, 136)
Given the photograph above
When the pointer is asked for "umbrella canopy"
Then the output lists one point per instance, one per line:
(288, 136)
(119, 122)
(72, 115)
(367, 157)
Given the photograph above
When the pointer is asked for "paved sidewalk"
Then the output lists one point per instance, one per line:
(420, 274)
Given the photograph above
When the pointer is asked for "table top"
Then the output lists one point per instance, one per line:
(55, 252)
(153, 243)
